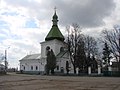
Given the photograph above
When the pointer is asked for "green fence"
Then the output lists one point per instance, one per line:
(111, 73)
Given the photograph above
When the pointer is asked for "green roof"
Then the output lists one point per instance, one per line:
(63, 54)
(32, 56)
(54, 32)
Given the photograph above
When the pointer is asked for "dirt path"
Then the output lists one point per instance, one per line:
(36, 82)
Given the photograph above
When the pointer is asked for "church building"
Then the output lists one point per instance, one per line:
(54, 40)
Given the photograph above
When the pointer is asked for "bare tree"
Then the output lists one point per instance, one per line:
(112, 37)
(90, 46)
(72, 41)
(106, 55)
(91, 50)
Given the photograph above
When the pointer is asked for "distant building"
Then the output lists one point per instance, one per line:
(12, 69)
(36, 63)
(2, 67)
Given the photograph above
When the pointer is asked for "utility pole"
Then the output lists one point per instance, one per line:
(119, 51)
(5, 61)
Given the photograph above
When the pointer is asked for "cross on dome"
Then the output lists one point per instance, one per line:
(55, 8)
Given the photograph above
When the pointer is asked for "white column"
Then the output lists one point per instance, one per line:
(77, 70)
(28, 69)
(39, 67)
(109, 68)
(99, 70)
(89, 70)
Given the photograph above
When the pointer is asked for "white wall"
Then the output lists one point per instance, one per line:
(28, 63)
(62, 63)
(55, 45)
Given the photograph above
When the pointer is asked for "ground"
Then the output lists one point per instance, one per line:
(37, 82)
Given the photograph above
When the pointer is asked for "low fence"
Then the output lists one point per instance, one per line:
(111, 73)
(104, 73)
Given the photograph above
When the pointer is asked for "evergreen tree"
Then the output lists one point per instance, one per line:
(81, 57)
(106, 54)
(48, 63)
(51, 62)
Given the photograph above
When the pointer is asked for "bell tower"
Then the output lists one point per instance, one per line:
(54, 39)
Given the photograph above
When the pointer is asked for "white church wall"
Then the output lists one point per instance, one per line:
(32, 65)
(61, 62)
(55, 45)
(43, 50)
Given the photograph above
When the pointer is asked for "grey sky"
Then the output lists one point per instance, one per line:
(87, 13)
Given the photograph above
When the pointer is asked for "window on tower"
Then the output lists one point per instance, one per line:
(47, 49)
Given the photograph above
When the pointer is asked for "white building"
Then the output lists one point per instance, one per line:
(54, 40)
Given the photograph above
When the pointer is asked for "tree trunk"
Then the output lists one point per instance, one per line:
(119, 64)
(74, 69)
(52, 71)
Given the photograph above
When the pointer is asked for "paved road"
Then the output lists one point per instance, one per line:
(14, 81)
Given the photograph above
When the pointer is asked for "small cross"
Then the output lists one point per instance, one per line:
(55, 9)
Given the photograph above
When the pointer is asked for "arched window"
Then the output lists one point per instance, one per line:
(24, 67)
(47, 49)
(31, 67)
(36, 67)
(61, 49)
(57, 67)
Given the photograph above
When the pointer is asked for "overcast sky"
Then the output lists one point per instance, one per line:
(25, 23)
